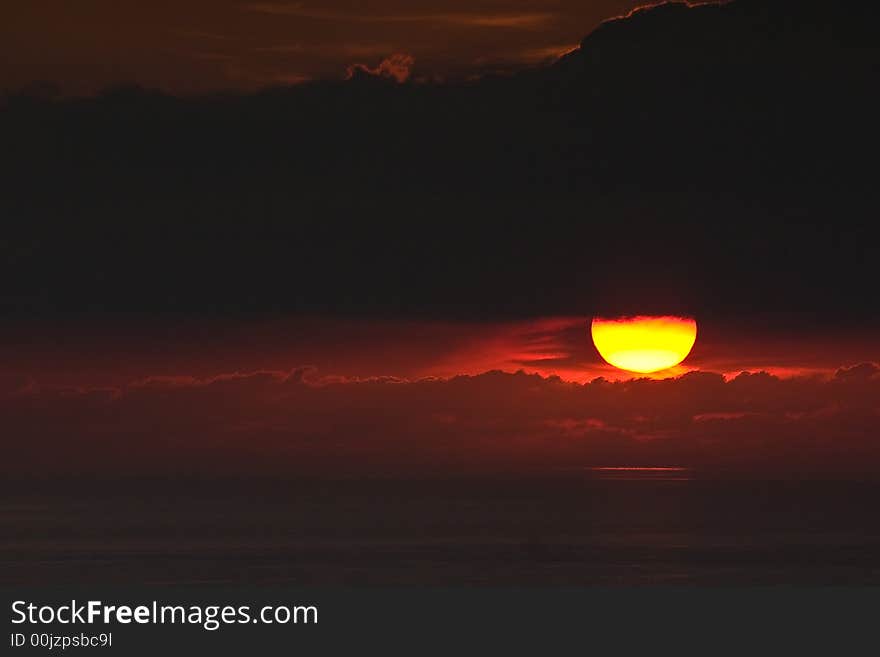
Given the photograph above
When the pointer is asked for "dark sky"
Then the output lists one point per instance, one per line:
(715, 160)
(187, 46)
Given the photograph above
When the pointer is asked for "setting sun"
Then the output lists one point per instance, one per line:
(644, 344)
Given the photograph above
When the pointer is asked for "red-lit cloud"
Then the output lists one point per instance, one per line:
(466, 19)
(304, 422)
(201, 45)
(397, 67)
(334, 397)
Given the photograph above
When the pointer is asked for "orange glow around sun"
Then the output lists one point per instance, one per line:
(644, 344)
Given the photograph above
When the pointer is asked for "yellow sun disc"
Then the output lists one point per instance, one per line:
(644, 344)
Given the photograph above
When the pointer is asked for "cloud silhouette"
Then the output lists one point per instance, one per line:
(300, 422)
(711, 139)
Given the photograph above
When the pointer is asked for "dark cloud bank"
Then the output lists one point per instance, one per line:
(715, 159)
(300, 422)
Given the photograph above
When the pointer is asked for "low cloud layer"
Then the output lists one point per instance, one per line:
(301, 422)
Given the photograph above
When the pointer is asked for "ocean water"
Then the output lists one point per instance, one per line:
(601, 527)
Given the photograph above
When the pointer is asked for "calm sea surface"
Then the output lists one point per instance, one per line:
(597, 527)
